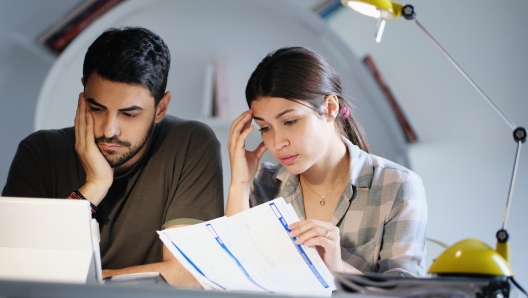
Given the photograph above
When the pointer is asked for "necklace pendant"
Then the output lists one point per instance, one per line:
(322, 202)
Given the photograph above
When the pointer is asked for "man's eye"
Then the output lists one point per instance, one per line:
(128, 115)
(290, 122)
(95, 110)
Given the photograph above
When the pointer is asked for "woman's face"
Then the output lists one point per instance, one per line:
(293, 133)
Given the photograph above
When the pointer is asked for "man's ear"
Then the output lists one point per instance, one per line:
(82, 81)
(162, 107)
(331, 105)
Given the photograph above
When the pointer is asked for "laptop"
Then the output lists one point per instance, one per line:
(49, 240)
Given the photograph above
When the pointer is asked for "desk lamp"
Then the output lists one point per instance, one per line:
(469, 256)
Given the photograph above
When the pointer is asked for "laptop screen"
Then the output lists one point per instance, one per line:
(50, 240)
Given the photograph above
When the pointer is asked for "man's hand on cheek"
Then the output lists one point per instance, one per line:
(99, 174)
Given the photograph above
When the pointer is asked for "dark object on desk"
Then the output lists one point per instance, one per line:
(146, 278)
(397, 286)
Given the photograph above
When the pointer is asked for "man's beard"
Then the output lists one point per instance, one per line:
(133, 151)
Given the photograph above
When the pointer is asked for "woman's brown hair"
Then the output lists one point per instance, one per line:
(303, 76)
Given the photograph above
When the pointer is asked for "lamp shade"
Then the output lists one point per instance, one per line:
(470, 257)
(379, 9)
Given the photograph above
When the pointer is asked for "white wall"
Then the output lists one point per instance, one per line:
(465, 153)
(23, 67)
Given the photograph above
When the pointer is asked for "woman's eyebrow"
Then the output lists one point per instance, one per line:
(276, 117)
(284, 112)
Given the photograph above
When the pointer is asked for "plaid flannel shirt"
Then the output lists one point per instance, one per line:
(381, 214)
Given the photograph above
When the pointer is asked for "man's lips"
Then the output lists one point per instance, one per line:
(288, 159)
(109, 147)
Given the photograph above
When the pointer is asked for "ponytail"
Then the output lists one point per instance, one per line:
(350, 127)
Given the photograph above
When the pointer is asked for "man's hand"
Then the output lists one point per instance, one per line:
(99, 174)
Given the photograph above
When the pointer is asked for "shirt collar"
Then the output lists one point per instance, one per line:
(361, 167)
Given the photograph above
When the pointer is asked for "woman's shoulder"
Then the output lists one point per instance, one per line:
(402, 183)
(266, 185)
(268, 171)
(393, 169)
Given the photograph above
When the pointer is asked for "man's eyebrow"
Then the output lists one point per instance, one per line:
(278, 115)
(95, 103)
(132, 108)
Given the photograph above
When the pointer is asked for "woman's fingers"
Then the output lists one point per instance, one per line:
(259, 151)
(308, 224)
(240, 130)
(320, 241)
(238, 124)
(323, 235)
(236, 129)
(311, 228)
(312, 233)
(243, 136)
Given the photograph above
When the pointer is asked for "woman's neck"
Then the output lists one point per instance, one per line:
(325, 172)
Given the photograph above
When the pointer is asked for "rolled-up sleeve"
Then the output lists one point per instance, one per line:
(403, 248)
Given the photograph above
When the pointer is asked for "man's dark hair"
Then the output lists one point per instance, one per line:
(130, 55)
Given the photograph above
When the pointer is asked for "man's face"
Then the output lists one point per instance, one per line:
(124, 116)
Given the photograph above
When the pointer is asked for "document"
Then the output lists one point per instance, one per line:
(251, 251)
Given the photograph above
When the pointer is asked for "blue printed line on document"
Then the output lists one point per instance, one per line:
(221, 243)
(299, 247)
(194, 265)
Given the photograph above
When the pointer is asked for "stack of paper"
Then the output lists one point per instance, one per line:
(251, 251)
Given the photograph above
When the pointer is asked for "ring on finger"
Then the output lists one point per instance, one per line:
(327, 234)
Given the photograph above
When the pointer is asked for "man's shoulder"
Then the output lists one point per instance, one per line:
(177, 130)
(50, 137)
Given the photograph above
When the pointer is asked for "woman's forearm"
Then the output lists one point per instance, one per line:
(237, 199)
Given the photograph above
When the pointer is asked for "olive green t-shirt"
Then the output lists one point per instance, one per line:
(177, 181)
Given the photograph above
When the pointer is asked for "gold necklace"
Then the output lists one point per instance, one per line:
(322, 202)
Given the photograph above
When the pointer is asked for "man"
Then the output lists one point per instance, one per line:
(142, 171)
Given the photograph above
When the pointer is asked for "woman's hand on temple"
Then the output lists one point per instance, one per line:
(244, 163)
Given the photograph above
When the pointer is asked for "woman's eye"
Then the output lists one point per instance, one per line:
(290, 122)
(264, 129)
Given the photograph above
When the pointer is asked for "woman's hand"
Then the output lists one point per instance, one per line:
(244, 163)
(325, 236)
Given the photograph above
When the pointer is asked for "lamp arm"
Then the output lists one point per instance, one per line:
(508, 121)
(519, 133)
(512, 182)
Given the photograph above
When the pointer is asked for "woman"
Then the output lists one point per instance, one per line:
(363, 213)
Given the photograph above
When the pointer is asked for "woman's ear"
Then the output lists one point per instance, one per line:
(331, 104)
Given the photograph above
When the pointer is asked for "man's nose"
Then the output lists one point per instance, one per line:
(111, 127)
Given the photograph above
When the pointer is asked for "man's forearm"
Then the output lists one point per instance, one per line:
(172, 271)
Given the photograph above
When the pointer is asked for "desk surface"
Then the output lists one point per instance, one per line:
(61, 290)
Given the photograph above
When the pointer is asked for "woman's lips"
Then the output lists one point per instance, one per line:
(288, 159)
